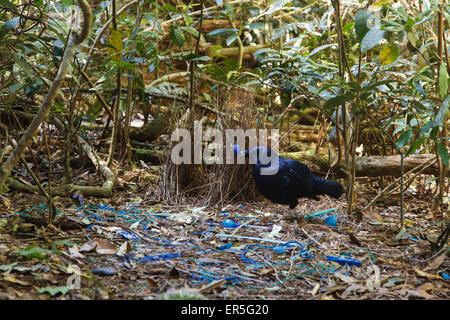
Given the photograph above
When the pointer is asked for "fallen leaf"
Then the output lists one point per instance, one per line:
(353, 239)
(74, 253)
(352, 288)
(123, 249)
(151, 283)
(101, 246)
(315, 289)
(16, 281)
(427, 275)
(344, 278)
(422, 291)
(435, 263)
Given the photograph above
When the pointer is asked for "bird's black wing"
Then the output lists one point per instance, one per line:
(299, 175)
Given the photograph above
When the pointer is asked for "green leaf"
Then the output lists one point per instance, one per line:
(7, 267)
(404, 139)
(256, 25)
(443, 153)
(132, 186)
(67, 2)
(427, 127)
(361, 27)
(439, 121)
(371, 39)
(231, 38)
(54, 290)
(416, 145)
(201, 58)
(15, 87)
(177, 35)
(230, 74)
(388, 54)
(338, 100)
(33, 251)
(190, 30)
(419, 88)
(320, 48)
(222, 31)
(9, 5)
(443, 79)
(115, 43)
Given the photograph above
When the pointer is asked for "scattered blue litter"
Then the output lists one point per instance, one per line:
(279, 252)
(446, 276)
(344, 261)
(331, 221)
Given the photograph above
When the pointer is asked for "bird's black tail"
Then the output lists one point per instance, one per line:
(324, 186)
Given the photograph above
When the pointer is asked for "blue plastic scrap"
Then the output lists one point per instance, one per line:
(82, 202)
(344, 261)
(157, 257)
(230, 224)
(277, 249)
(128, 235)
(331, 221)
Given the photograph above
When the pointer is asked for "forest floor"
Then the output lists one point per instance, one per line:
(130, 248)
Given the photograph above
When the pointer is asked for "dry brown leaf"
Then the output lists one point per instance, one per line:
(123, 249)
(101, 246)
(151, 283)
(422, 291)
(351, 288)
(16, 281)
(74, 253)
(343, 277)
(435, 263)
(427, 275)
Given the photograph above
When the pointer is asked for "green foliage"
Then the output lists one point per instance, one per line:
(397, 88)
(33, 252)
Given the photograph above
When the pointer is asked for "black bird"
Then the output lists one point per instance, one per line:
(291, 181)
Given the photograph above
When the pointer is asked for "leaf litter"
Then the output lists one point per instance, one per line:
(243, 251)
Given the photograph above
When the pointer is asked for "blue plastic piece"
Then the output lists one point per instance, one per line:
(80, 198)
(280, 249)
(446, 276)
(230, 224)
(344, 261)
(226, 246)
(128, 235)
(331, 221)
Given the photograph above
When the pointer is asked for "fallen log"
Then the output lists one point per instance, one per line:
(369, 166)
